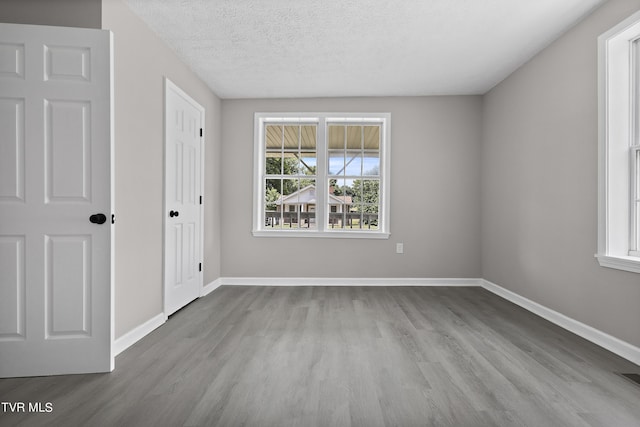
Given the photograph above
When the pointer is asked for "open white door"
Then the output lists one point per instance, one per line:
(184, 123)
(55, 174)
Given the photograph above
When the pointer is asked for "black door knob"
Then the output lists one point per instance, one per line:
(98, 218)
(173, 213)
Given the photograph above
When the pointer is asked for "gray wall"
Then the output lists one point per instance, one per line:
(63, 13)
(539, 184)
(435, 143)
(141, 63)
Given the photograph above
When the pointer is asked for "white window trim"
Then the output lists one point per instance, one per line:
(635, 192)
(618, 101)
(321, 119)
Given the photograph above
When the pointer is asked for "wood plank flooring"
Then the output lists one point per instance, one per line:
(345, 356)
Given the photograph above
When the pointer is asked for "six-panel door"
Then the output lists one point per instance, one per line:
(55, 172)
(183, 221)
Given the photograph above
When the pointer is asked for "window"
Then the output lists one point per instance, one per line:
(321, 175)
(619, 146)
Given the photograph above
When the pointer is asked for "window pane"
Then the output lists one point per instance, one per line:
(274, 184)
(272, 193)
(371, 191)
(310, 194)
(352, 218)
(339, 201)
(307, 200)
(271, 202)
(336, 137)
(308, 163)
(307, 193)
(274, 163)
(339, 188)
(354, 137)
(274, 136)
(291, 164)
(335, 186)
(308, 137)
(372, 137)
(371, 165)
(370, 217)
(370, 209)
(356, 187)
(354, 163)
(289, 203)
(364, 217)
(336, 219)
(355, 216)
(336, 162)
(367, 191)
(291, 137)
(289, 188)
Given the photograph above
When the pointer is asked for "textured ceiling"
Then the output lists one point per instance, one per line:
(309, 48)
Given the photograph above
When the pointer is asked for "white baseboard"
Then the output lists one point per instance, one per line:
(206, 290)
(609, 342)
(331, 281)
(137, 333)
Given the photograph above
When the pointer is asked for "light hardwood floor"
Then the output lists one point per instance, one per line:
(345, 356)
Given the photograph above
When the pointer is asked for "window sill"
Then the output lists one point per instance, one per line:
(323, 234)
(619, 262)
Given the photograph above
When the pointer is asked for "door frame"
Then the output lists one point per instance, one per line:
(171, 86)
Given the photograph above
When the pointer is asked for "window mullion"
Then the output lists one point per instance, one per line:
(321, 177)
(344, 176)
(362, 207)
(282, 175)
(299, 174)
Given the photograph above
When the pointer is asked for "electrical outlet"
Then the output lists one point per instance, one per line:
(399, 248)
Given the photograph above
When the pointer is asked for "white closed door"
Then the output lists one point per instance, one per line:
(55, 174)
(184, 120)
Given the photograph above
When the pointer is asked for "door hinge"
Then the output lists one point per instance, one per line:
(200, 132)
(113, 218)
(200, 267)
(200, 199)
